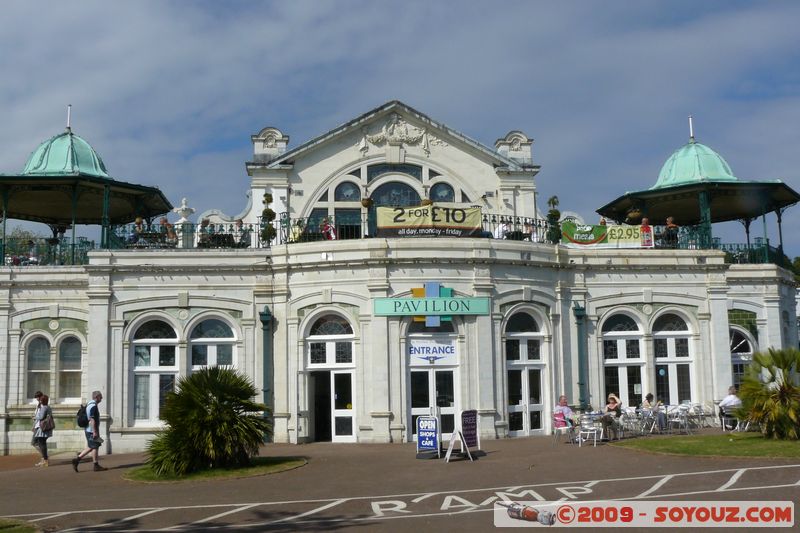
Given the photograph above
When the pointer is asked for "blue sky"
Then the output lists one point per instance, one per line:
(169, 93)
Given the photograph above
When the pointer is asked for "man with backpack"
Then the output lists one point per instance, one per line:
(93, 440)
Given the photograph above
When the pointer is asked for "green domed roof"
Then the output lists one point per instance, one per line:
(693, 163)
(65, 154)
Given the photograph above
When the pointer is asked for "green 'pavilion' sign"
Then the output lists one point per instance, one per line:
(430, 306)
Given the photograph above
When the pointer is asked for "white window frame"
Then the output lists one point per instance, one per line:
(154, 370)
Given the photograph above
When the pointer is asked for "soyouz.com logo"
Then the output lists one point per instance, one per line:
(644, 514)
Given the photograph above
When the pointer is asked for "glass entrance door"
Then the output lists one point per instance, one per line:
(432, 390)
(524, 401)
(333, 415)
(624, 381)
(342, 413)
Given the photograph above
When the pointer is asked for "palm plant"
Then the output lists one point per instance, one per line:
(770, 393)
(212, 422)
(553, 216)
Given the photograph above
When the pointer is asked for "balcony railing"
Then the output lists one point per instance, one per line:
(42, 252)
(285, 230)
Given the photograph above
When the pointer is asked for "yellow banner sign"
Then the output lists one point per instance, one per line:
(435, 220)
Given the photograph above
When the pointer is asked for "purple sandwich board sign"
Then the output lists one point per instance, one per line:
(466, 436)
(469, 427)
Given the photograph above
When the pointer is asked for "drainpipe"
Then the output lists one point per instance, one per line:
(267, 390)
(583, 356)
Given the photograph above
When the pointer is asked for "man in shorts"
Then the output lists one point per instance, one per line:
(93, 440)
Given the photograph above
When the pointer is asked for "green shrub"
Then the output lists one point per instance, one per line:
(212, 422)
(770, 393)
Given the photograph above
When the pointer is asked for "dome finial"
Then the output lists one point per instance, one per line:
(691, 130)
(69, 117)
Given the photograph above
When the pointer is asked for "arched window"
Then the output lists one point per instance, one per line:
(155, 368)
(330, 341)
(212, 343)
(522, 338)
(524, 372)
(69, 368)
(38, 356)
(622, 356)
(442, 192)
(347, 192)
(741, 354)
(394, 194)
(673, 360)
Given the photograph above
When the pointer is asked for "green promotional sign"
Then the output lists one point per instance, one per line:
(622, 236)
(430, 306)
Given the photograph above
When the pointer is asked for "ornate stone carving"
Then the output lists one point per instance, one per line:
(397, 131)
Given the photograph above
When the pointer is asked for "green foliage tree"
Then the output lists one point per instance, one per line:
(212, 422)
(553, 217)
(770, 393)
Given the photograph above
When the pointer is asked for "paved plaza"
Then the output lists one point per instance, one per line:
(367, 487)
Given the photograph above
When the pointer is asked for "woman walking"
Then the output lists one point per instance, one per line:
(43, 428)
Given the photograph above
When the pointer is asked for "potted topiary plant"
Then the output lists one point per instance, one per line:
(268, 231)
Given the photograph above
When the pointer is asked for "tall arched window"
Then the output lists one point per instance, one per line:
(622, 357)
(155, 367)
(69, 368)
(38, 356)
(524, 372)
(741, 354)
(329, 352)
(673, 359)
(212, 343)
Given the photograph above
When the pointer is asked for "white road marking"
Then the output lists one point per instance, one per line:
(734, 478)
(655, 487)
(117, 521)
(737, 473)
(313, 511)
(213, 517)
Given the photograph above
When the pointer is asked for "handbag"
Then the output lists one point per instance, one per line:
(47, 423)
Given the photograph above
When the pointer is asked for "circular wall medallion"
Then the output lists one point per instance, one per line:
(53, 324)
(648, 309)
(183, 314)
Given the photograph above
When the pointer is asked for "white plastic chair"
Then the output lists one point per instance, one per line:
(729, 418)
(561, 426)
(588, 429)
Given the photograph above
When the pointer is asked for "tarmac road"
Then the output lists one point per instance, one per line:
(367, 487)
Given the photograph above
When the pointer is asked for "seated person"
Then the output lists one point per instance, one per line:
(33, 254)
(649, 405)
(137, 230)
(670, 235)
(563, 409)
(241, 234)
(612, 411)
(501, 231)
(167, 231)
(297, 231)
(204, 233)
(731, 401)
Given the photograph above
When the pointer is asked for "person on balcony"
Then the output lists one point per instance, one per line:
(328, 230)
(502, 230)
(204, 234)
(136, 231)
(168, 235)
(241, 233)
(670, 235)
